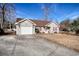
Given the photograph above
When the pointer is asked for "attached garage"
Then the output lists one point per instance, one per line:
(25, 27)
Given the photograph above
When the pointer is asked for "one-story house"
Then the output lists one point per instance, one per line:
(29, 26)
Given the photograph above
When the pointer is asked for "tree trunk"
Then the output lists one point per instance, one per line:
(3, 17)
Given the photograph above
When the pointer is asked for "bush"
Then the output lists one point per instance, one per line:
(1, 31)
(47, 27)
(37, 31)
(66, 30)
(77, 31)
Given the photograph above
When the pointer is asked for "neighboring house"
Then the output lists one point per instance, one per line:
(29, 26)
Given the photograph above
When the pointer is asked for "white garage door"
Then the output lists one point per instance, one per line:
(26, 30)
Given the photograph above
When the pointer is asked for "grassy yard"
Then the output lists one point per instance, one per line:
(70, 41)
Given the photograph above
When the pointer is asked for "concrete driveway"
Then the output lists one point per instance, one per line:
(32, 45)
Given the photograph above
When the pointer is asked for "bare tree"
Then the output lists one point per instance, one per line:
(46, 9)
(7, 13)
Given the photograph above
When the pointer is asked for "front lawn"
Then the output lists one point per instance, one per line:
(70, 41)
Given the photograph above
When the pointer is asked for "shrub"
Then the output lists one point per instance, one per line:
(77, 31)
(1, 31)
(37, 31)
(47, 27)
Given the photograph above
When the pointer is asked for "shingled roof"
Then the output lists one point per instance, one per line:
(37, 22)
(40, 22)
(18, 19)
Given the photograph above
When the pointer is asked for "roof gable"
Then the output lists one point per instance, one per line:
(23, 20)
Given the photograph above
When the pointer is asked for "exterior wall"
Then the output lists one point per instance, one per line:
(25, 27)
(33, 29)
(53, 28)
(41, 29)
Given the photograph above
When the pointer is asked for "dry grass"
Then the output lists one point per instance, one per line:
(71, 41)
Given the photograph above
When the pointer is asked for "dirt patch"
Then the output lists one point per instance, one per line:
(70, 41)
(7, 33)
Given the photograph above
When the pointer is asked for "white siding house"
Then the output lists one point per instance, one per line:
(29, 26)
